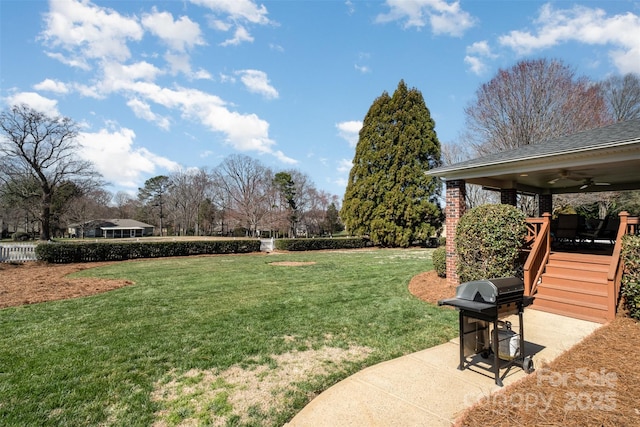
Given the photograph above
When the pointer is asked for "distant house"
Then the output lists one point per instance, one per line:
(111, 228)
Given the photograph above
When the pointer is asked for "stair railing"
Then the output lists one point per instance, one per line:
(539, 236)
(628, 225)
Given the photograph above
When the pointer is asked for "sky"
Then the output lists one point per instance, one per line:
(162, 86)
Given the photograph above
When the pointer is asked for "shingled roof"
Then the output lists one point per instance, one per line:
(611, 152)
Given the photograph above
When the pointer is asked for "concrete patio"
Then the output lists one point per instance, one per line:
(426, 388)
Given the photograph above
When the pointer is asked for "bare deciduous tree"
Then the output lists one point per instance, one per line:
(531, 102)
(475, 194)
(248, 185)
(125, 204)
(622, 95)
(43, 149)
(189, 189)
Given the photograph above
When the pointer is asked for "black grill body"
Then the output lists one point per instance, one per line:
(481, 305)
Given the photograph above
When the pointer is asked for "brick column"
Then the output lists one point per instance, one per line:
(509, 196)
(455, 208)
(545, 204)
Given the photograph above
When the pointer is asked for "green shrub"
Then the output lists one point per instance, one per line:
(439, 258)
(631, 277)
(63, 253)
(319, 244)
(488, 242)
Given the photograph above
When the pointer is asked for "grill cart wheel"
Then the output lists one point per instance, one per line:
(527, 365)
(485, 354)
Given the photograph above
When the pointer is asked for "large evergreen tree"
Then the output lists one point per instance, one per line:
(389, 196)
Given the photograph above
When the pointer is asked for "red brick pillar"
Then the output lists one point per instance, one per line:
(545, 204)
(509, 196)
(456, 206)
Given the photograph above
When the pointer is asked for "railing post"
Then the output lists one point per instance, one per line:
(547, 220)
(624, 220)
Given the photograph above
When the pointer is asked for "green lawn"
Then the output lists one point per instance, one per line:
(212, 339)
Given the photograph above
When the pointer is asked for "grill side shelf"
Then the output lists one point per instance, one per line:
(480, 308)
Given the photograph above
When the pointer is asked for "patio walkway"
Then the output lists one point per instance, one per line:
(426, 388)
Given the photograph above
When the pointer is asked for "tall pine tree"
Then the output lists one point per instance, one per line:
(389, 196)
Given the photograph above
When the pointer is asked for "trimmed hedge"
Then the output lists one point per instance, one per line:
(631, 278)
(439, 258)
(488, 241)
(64, 253)
(319, 244)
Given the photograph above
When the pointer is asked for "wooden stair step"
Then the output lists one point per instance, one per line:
(570, 276)
(597, 290)
(563, 312)
(578, 257)
(573, 265)
(573, 296)
(580, 309)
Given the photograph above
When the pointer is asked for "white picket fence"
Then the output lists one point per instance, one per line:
(13, 252)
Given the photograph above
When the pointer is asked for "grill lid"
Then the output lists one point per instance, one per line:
(491, 291)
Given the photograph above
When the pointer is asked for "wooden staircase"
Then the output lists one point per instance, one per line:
(574, 285)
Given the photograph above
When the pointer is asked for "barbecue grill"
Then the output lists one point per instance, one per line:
(481, 305)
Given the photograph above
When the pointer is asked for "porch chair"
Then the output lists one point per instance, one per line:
(610, 230)
(593, 232)
(566, 229)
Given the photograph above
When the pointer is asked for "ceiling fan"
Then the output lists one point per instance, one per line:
(588, 182)
(566, 175)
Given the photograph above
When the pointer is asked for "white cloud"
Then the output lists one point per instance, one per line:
(35, 101)
(52, 86)
(444, 17)
(88, 31)
(179, 63)
(227, 78)
(341, 182)
(241, 35)
(585, 25)
(77, 62)
(143, 110)
(476, 64)
(88, 34)
(349, 131)
(283, 158)
(246, 10)
(477, 53)
(244, 132)
(256, 81)
(219, 25)
(239, 12)
(345, 165)
(480, 48)
(180, 35)
(121, 164)
(201, 74)
(362, 58)
(351, 9)
(276, 47)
